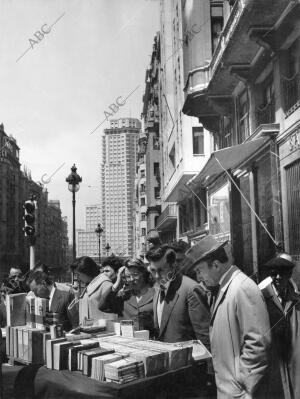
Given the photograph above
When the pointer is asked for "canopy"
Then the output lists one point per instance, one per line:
(229, 158)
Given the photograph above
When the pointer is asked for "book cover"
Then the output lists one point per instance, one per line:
(60, 355)
(88, 355)
(49, 351)
(16, 309)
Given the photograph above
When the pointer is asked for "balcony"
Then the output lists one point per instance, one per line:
(266, 114)
(168, 218)
(291, 93)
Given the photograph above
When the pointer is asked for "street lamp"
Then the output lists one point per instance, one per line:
(73, 181)
(107, 249)
(99, 231)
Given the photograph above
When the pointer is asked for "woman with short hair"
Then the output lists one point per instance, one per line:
(92, 303)
(134, 301)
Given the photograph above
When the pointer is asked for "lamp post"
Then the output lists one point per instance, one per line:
(73, 181)
(99, 231)
(107, 248)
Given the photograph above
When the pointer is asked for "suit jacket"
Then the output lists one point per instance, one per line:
(140, 312)
(240, 337)
(184, 316)
(285, 329)
(59, 304)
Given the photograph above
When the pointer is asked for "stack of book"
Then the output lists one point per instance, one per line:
(89, 354)
(73, 357)
(177, 356)
(124, 370)
(27, 344)
(98, 363)
(154, 362)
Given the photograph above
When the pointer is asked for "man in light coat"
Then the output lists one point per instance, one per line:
(239, 327)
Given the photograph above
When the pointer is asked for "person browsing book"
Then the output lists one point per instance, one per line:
(42, 286)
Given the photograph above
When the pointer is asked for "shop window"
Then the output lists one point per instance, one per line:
(198, 140)
(243, 116)
(217, 21)
(219, 216)
(265, 113)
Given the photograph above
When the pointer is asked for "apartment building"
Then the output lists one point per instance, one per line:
(248, 94)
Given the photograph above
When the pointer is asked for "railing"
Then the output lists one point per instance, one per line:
(265, 114)
(226, 34)
(291, 92)
(169, 211)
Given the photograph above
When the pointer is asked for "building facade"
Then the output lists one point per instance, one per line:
(148, 183)
(118, 172)
(185, 143)
(87, 240)
(16, 187)
(247, 93)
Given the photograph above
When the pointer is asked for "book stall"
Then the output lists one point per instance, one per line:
(100, 356)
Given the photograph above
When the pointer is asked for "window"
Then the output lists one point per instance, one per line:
(198, 140)
(143, 216)
(143, 231)
(265, 113)
(142, 173)
(290, 78)
(156, 171)
(225, 138)
(243, 117)
(217, 21)
(157, 192)
(156, 143)
(143, 201)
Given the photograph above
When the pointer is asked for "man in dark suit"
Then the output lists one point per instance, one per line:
(42, 286)
(283, 303)
(179, 314)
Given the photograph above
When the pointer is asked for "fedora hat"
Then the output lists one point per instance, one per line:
(281, 261)
(204, 249)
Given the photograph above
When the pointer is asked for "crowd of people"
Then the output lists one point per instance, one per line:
(182, 293)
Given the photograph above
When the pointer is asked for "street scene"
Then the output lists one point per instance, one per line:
(150, 199)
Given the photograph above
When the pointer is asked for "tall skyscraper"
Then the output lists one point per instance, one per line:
(118, 168)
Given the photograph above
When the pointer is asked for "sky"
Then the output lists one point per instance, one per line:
(62, 64)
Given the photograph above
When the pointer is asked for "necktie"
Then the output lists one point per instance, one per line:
(214, 290)
(162, 294)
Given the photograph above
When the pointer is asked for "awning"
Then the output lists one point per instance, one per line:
(230, 158)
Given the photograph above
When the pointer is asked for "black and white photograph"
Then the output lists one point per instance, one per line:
(150, 199)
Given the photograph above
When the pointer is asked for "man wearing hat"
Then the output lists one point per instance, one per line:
(283, 303)
(239, 327)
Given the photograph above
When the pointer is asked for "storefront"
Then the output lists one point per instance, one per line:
(289, 153)
(243, 200)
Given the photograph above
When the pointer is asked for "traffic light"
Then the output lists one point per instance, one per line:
(29, 218)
